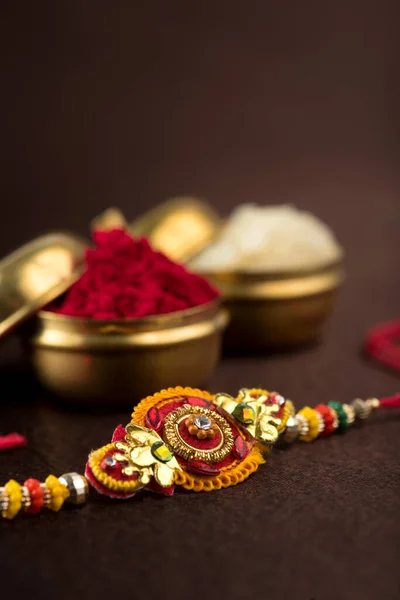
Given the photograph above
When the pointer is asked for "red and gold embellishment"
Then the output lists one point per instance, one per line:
(187, 437)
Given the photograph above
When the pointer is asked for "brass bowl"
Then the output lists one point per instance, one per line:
(118, 362)
(277, 310)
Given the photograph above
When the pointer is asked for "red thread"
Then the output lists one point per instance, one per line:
(12, 440)
(391, 401)
(126, 279)
(382, 344)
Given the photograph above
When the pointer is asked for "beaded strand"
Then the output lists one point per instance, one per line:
(325, 419)
(33, 495)
(306, 425)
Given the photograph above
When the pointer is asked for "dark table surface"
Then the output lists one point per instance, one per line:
(124, 104)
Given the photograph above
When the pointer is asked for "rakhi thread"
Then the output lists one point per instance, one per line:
(12, 440)
(382, 343)
(139, 458)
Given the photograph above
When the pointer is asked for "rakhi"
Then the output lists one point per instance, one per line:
(192, 439)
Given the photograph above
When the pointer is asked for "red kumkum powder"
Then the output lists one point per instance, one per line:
(126, 279)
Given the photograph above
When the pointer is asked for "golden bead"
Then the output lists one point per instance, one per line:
(311, 416)
(14, 492)
(58, 492)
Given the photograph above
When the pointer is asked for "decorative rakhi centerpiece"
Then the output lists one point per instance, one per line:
(189, 438)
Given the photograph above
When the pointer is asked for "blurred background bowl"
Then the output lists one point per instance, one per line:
(277, 310)
(119, 362)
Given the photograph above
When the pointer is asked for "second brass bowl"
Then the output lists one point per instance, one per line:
(118, 362)
(277, 310)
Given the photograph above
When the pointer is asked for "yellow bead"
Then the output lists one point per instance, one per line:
(58, 492)
(313, 424)
(14, 492)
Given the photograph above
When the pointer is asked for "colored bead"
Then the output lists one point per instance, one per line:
(58, 491)
(341, 414)
(329, 417)
(77, 487)
(211, 433)
(36, 495)
(313, 424)
(14, 492)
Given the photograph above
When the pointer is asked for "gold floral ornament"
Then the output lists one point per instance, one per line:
(253, 413)
(145, 453)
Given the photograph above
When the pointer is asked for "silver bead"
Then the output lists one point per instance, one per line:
(26, 497)
(361, 409)
(291, 431)
(46, 495)
(335, 423)
(321, 422)
(4, 499)
(373, 403)
(77, 486)
(350, 413)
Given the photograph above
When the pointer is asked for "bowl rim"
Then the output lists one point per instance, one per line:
(167, 318)
(272, 275)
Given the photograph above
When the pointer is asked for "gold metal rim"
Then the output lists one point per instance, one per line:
(180, 447)
(179, 421)
(267, 286)
(271, 275)
(68, 334)
(134, 325)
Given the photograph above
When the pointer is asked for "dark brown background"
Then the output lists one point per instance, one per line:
(126, 103)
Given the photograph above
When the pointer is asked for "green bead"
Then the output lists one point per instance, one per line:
(342, 415)
(244, 413)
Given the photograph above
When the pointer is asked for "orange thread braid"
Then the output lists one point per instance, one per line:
(161, 398)
(236, 473)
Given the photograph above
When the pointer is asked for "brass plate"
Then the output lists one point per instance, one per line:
(36, 274)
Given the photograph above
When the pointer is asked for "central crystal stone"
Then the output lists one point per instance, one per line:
(202, 422)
